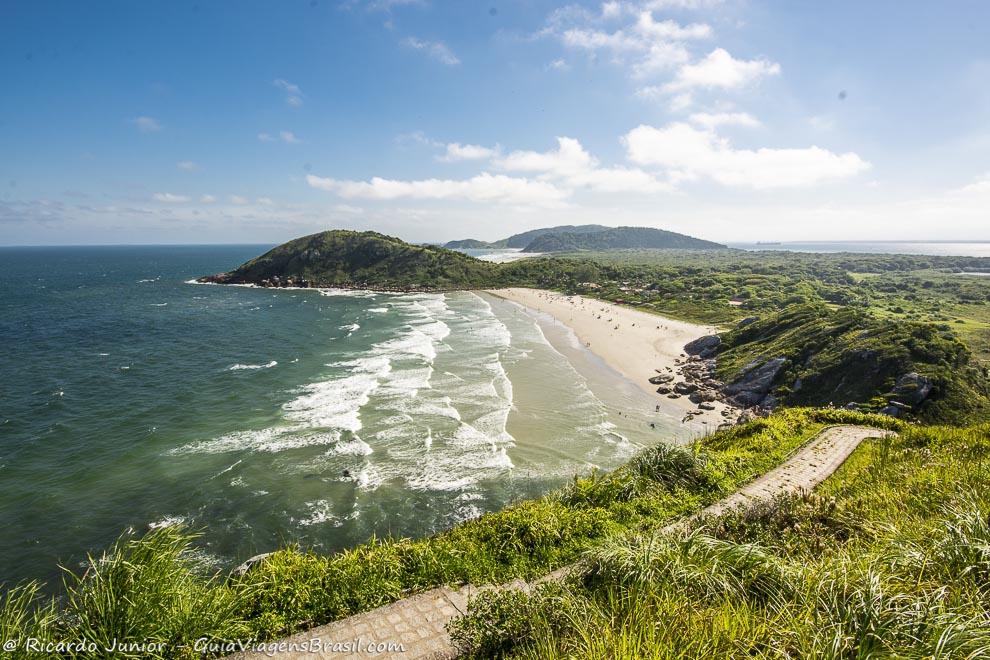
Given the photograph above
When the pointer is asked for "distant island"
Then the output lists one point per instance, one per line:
(575, 238)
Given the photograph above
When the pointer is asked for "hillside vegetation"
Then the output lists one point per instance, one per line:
(889, 558)
(846, 355)
(569, 238)
(362, 259)
(618, 238)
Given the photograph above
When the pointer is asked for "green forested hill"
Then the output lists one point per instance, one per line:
(362, 259)
(616, 239)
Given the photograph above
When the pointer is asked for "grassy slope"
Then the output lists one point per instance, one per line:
(154, 589)
(889, 558)
(847, 354)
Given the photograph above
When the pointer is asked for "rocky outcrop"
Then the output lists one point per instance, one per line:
(752, 388)
(704, 347)
(911, 389)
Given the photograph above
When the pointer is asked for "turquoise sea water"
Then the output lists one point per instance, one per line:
(131, 398)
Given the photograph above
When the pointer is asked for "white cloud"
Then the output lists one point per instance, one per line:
(288, 136)
(187, 166)
(237, 199)
(435, 49)
(265, 137)
(169, 198)
(688, 153)
(719, 70)
(568, 159)
(264, 201)
(716, 119)
(147, 124)
(644, 45)
(484, 187)
(571, 166)
(558, 65)
(980, 187)
(455, 151)
(207, 199)
(293, 95)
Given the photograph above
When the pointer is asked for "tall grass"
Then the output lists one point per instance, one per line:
(891, 559)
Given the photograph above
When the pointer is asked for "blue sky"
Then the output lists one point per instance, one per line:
(193, 122)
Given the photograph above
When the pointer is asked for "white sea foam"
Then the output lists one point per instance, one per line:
(355, 446)
(242, 367)
(167, 521)
(336, 403)
(377, 310)
(351, 328)
(320, 512)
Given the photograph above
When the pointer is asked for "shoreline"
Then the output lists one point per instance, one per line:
(636, 344)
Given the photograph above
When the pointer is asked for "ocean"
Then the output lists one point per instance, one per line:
(132, 398)
(930, 248)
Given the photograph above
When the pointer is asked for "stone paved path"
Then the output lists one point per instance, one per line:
(418, 623)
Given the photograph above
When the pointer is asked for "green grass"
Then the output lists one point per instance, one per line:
(890, 557)
(155, 589)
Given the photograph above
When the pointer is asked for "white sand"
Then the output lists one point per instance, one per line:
(636, 344)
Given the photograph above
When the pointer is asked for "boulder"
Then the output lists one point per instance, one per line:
(750, 388)
(661, 379)
(249, 564)
(892, 411)
(704, 347)
(912, 389)
(746, 416)
(663, 389)
(685, 388)
(746, 321)
(706, 406)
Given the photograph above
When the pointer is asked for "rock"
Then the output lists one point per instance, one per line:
(912, 389)
(673, 395)
(746, 321)
(706, 406)
(663, 389)
(662, 378)
(724, 427)
(685, 388)
(249, 564)
(752, 386)
(852, 405)
(892, 411)
(746, 416)
(747, 399)
(704, 347)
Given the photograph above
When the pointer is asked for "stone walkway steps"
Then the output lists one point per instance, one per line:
(418, 623)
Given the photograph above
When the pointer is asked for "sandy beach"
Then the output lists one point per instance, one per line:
(636, 344)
